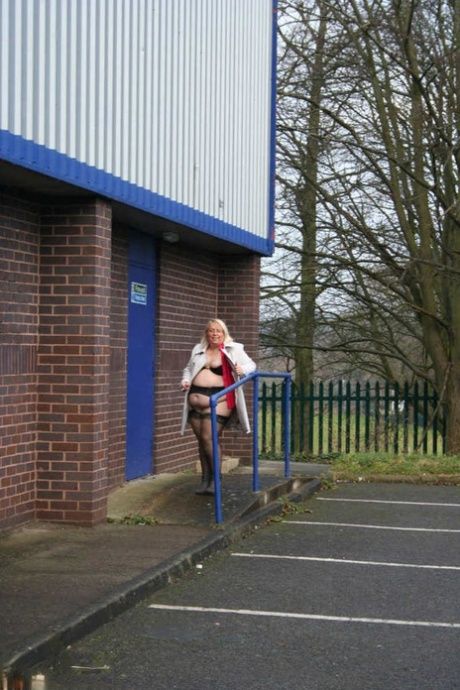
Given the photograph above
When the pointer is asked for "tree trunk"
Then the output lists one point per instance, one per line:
(453, 392)
(305, 332)
(452, 411)
(307, 207)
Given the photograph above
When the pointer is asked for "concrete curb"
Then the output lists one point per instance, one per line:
(263, 508)
(432, 480)
(290, 488)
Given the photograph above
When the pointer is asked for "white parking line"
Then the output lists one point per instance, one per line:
(349, 524)
(346, 561)
(305, 616)
(401, 503)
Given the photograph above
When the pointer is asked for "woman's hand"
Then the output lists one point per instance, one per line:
(239, 370)
(185, 385)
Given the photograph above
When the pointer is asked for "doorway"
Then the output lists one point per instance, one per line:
(141, 359)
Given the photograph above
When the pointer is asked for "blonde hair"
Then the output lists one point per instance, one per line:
(227, 337)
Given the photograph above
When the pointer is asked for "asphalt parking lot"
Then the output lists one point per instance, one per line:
(362, 591)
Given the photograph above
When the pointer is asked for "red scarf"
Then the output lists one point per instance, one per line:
(227, 376)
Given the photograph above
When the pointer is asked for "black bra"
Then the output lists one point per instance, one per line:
(216, 370)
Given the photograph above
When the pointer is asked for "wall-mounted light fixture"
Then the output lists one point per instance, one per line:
(171, 236)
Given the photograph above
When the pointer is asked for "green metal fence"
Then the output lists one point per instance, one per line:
(346, 417)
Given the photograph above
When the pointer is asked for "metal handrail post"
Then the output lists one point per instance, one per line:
(287, 425)
(215, 445)
(255, 435)
(255, 444)
(216, 462)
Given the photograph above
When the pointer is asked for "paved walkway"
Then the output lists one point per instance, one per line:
(59, 582)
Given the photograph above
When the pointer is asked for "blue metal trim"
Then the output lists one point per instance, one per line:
(287, 424)
(216, 461)
(255, 435)
(255, 375)
(27, 154)
(272, 174)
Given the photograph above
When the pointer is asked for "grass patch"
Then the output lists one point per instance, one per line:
(369, 466)
(134, 519)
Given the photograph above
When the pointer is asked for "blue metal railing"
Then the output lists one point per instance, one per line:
(286, 403)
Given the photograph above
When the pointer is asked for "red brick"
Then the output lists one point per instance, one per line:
(67, 357)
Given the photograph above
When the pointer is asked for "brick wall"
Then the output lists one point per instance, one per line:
(194, 287)
(118, 356)
(238, 306)
(19, 238)
(187, 298)
(63, 345)
(73, 362)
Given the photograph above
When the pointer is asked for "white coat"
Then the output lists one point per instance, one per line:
(236, 355)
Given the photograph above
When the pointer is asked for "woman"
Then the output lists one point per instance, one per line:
(215, 363)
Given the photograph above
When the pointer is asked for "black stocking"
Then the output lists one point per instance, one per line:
(203, 431)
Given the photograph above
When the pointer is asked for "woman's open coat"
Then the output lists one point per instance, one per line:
(236, 355)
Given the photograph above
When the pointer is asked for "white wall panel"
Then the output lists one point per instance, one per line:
(173, 96)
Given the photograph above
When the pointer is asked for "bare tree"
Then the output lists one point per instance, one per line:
(293, 280)
(406, 57)
(381, 183)
(302, 65)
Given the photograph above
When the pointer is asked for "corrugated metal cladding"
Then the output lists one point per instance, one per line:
(173, 96)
